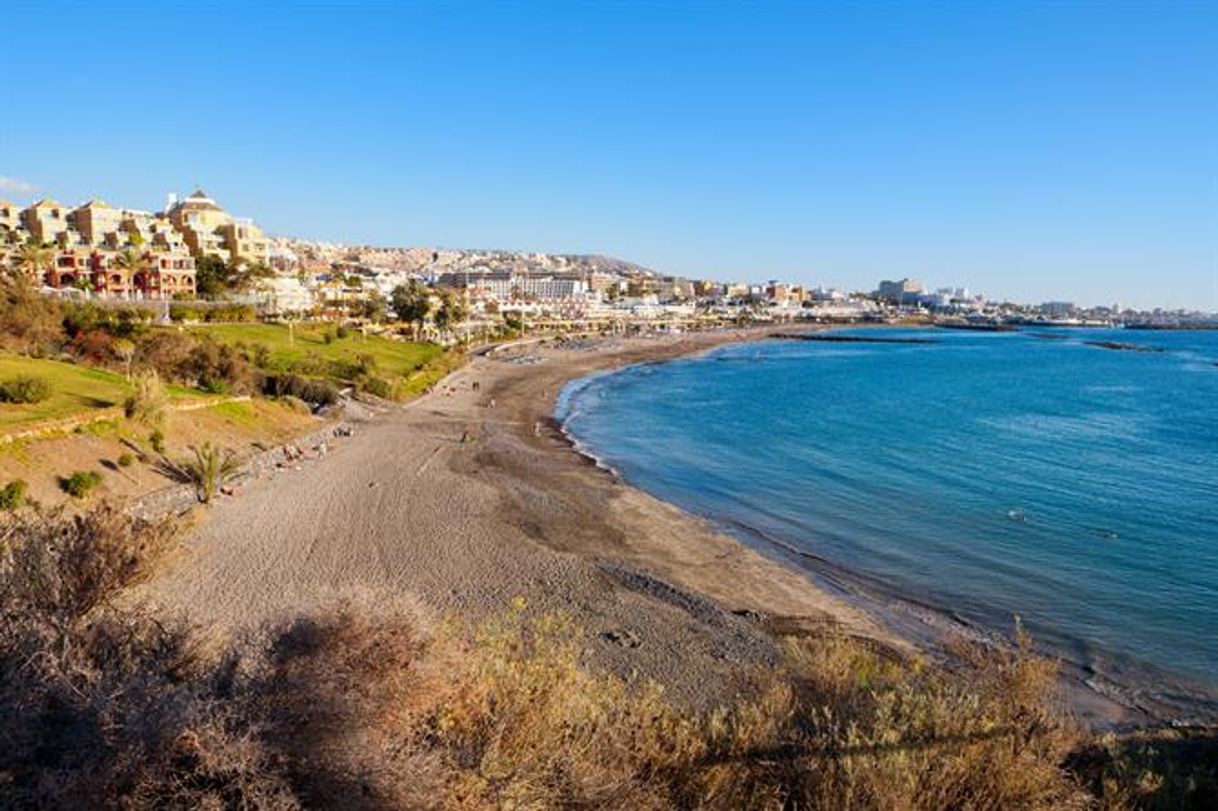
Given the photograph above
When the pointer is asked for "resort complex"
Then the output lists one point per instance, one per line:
(99, 252)
(97, 249)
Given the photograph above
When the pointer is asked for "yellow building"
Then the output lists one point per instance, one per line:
(10, 220)
(95, 244)
(209, 230)
(97, 223)
(45, 221)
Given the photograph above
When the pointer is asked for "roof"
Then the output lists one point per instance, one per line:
(198, 199)
(96, 204)
(46, 202)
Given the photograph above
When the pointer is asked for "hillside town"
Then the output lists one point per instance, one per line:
(195, 251)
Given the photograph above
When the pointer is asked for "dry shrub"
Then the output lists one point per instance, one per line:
(98, 699)
(149, 401)
(843, 727)
(528, 727)
(29, 322)
(1159, 770)
(874, 732)
(103, 705)
(341, 698)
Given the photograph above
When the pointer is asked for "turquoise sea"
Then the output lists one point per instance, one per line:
(984, 475)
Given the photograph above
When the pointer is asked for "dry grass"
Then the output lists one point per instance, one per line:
(103, 705)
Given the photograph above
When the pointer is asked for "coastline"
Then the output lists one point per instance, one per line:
(1117, 695)
(473, 495)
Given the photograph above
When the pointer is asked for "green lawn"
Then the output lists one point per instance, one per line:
(75, 390)
(308, 353)
(409, 368)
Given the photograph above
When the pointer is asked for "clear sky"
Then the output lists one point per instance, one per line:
(1031, 150)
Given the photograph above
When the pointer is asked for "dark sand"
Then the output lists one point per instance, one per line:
(407, 513)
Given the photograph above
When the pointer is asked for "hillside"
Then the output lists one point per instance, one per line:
(425, 260)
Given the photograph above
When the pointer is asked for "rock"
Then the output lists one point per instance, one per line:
(622, 637)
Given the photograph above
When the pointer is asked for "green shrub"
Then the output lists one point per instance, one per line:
(157, 440)
(180, 312)
(12, 495)
(81, 483)
(24, 389)
(242, 313)
(126, 460)
(377, 386)
(317, 392)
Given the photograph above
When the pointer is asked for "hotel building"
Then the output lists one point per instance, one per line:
(125, 253)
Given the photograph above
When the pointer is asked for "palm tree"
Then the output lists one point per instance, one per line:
(131, 262)
(210, 469)
(33, 260)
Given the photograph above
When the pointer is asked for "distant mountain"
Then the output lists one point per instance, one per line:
(423, 260)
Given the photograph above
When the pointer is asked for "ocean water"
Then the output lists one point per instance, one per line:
(985, 474)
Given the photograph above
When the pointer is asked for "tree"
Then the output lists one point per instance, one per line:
(210, 469)
(412, 303)
(372, 308)
(452, 310)
(215, 278)
(33, 260)
(244, 275)
(211, 276)
(131, 262)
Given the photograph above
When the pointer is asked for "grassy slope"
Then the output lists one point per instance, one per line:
(77, 390)
(242, 426)
(308, 351)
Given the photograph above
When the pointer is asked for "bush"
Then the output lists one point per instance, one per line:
(242, 313)
(377, 386)
(126, 460)
(28, 321)
(106, 706)
(25, 389)
(81, 483)
(12, 495)
(180, 312)
(311, 390)
(157, 440)
(148, 403)
(295, 404)
(219, 368)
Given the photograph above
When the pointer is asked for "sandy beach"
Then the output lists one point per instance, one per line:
(470, 497)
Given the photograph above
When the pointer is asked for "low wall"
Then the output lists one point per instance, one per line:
(178, 498)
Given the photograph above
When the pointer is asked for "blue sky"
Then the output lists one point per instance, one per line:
(1029, 150)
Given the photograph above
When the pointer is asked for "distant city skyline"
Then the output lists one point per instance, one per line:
(1030, 151)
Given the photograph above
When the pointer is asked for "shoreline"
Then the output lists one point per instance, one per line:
(472, 496)
(1114, 698)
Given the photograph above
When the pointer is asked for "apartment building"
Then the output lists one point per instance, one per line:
(209, 230)
(99, 249)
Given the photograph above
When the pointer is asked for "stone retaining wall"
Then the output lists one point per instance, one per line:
(177, 498)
